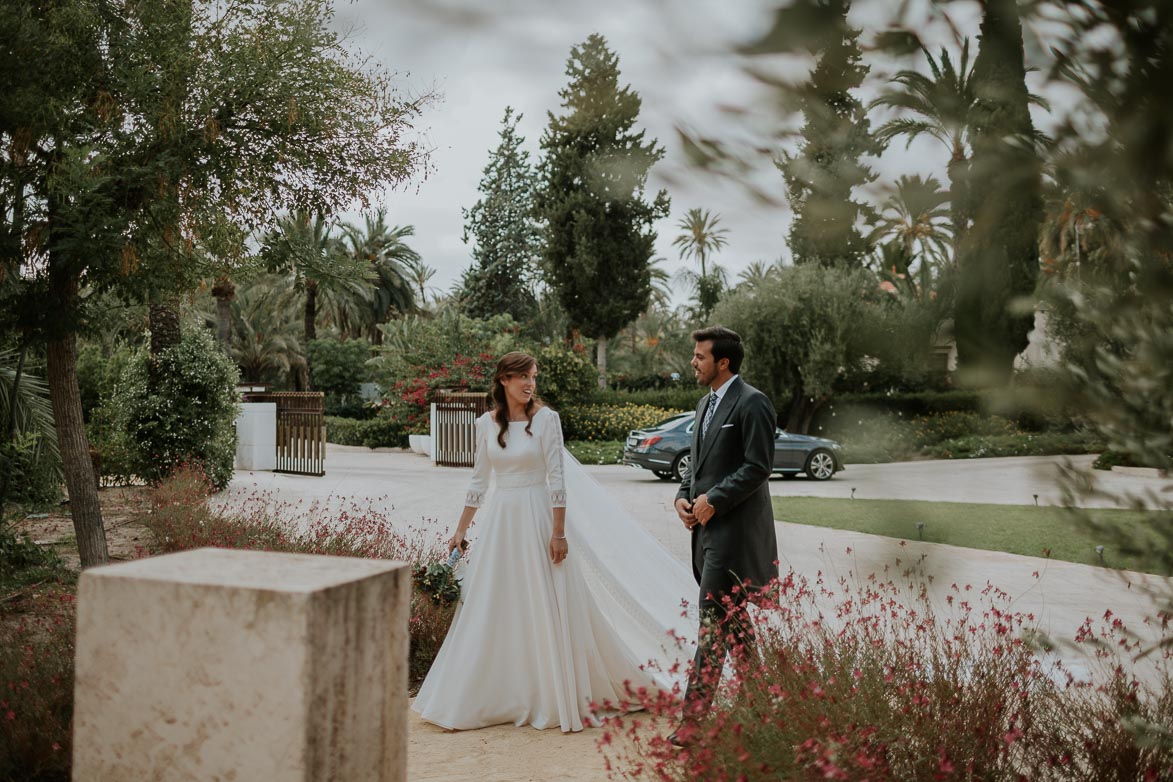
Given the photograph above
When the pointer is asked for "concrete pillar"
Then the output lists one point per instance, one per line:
(256, 436)
(219, 664)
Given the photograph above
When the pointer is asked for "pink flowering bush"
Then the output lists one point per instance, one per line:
(179, 518)
(871, 681)
(36, 687)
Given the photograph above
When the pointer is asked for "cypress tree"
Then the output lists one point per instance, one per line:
(506, 239)
(828, 167)
(599, 239)
(999, 260)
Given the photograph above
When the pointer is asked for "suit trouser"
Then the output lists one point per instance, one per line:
(722, 621)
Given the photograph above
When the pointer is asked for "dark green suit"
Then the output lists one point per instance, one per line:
(732, 464)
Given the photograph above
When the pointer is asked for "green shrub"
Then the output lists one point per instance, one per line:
(684, 398)
(1109, 459)
(949, 425)
(378, 432)
(1017, 444)
(601, 452)
(339, 366)
(186, 415)
(33, 473)
(609, 422)
(566, 376)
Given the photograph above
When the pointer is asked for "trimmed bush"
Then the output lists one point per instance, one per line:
(1016, 444)
(185, 415)
(609, 422)
(565, 375)
(685, 398)
(372, 433)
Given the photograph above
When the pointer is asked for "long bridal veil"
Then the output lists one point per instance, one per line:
(649, 595)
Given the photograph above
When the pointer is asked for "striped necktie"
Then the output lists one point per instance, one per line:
(713, 399)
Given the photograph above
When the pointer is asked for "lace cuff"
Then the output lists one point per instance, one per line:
(474, 499)
(558, 498)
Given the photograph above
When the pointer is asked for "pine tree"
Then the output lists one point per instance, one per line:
(506, 238)
(828, 168)
(1000, 255)
(598, 223)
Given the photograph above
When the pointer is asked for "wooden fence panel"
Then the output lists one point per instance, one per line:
(454, 428)
(301, 430)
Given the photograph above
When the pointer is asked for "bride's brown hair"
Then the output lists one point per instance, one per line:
(515, 363)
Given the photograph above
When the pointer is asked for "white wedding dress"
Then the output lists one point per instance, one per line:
(536, 643)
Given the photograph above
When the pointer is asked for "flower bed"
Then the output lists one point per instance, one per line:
(609, 422)
(855, 681)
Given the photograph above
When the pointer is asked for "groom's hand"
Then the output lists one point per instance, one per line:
(684, 511)
(703, 511)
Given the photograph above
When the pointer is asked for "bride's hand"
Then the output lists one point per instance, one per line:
(558, 550)
(455, 542)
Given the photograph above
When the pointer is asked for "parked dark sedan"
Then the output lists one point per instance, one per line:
(665, 450)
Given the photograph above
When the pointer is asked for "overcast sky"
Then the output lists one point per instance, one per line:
(674, 53)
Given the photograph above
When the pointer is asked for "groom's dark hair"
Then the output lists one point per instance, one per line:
(726, 344)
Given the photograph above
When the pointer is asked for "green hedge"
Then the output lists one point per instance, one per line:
(609, 422)
(668, 398)
(372, 433)
(601, 452)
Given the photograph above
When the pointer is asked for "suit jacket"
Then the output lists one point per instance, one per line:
(732, 465)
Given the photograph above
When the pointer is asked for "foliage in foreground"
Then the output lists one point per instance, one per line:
(36, 687)
(872, 681)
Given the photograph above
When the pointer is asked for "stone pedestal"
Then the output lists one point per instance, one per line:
(256, 436)
(237, 665)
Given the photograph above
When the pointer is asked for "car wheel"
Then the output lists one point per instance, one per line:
(682, 467)
(664, 476)
(820, 465)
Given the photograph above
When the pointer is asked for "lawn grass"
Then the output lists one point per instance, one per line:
(596, 451)
(1017, 529)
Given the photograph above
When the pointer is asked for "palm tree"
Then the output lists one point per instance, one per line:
(305, 248)
(420, 274)
(915, 216)
(757, 273)
(25, 413)
(939, 105)
(391, 269)
(699, 239)
(264, 340)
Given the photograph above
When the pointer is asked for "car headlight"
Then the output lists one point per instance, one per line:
(836, 446)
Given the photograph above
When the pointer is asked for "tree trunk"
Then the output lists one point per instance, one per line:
(80, 481)
(802, 411)
(958, 201)
(311, 311)
(225, 292)
(165, 331)
(311, 331)
(602, 348)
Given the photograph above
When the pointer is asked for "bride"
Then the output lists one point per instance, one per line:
(566, 600)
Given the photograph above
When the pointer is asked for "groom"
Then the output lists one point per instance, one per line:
(725, 502)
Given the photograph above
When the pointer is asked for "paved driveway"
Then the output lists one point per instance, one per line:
(1059, 594)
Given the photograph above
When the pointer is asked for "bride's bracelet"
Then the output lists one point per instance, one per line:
(555, 537)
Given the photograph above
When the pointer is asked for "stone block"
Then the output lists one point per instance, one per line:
(227, 665)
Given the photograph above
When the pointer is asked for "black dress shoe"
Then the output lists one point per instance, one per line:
(683, 737)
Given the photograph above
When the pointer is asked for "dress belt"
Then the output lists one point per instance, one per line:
(519, 480)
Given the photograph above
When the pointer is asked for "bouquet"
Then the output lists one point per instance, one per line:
(438, 580)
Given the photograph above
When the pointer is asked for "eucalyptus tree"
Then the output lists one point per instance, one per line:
(131, 132)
